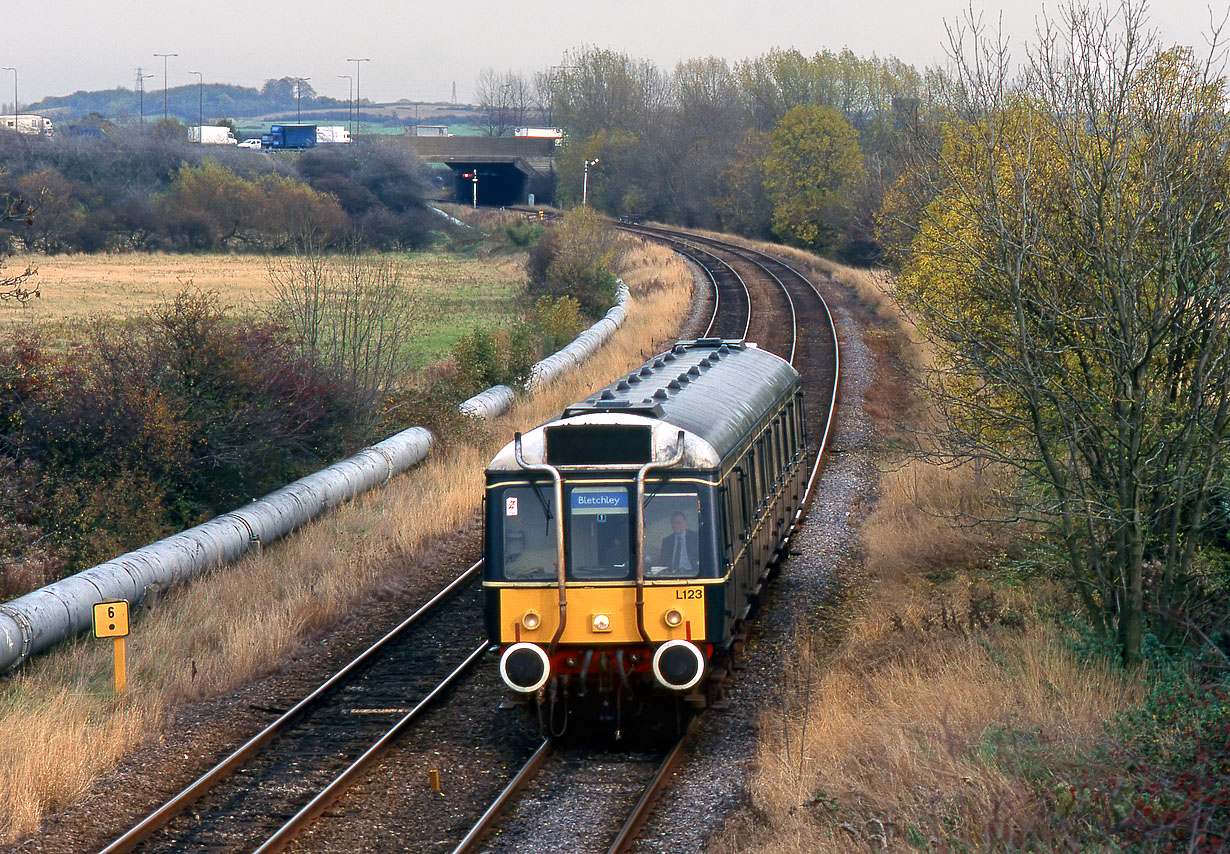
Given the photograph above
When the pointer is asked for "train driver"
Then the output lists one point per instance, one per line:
(680, 551)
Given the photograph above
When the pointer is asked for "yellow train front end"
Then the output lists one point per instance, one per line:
(600, 624)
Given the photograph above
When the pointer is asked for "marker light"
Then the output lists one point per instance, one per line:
(678, 665)
(531, 620)
(524, 667)
(673, 618)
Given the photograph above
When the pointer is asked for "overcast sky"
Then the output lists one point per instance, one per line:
(419, 50)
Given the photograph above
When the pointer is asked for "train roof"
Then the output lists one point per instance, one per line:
(714, 390)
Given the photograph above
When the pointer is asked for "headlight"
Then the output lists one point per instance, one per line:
(601, 622)
(673, 618)
(531, 620)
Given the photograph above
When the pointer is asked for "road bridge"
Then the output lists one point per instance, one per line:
(509, 169)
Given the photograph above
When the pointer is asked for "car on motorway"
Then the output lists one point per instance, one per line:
(251, 143)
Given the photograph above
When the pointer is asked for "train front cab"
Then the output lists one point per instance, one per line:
(612, 628)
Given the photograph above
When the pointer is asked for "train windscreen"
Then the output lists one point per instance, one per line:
(672, 539)
(529, 521)
(599, 547)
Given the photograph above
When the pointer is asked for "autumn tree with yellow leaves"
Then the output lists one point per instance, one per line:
(811, 172)
(1068, 262)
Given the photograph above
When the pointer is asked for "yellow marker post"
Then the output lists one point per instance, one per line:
(111, 621)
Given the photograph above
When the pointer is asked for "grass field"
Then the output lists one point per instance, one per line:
(462, 292)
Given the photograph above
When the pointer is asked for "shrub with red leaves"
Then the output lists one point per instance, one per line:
(1174, 752)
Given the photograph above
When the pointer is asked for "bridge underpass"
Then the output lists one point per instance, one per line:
(497, 183)
(510, 169)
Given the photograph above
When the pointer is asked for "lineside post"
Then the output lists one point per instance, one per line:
(111, 621)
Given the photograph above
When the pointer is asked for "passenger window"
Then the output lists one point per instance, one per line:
(802, 421)
(738, 505)
(775, 452)
(792, 443)
(761, 478)
(783, 458)
(529, 533)
(725, 520)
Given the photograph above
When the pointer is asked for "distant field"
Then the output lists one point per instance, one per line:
(462, 293)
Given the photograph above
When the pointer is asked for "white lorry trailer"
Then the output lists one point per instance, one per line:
(210, 135)
(331, 135)
(38, 125)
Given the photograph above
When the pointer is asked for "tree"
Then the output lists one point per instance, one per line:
(60, 211)
(1071, 273)
(742, 204)
(601, 90)
(504, 100)
(813, 165)
(351, 314)
(16, 287)
(215, 203)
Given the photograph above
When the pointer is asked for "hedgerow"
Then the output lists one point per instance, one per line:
(145, 428)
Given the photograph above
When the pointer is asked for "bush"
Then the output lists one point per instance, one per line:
(149, 427)
(1168, 783)
(556, 322)
(489, 357)
(525, 233)
(579, 259)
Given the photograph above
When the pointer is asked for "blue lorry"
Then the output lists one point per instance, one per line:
(289, 136)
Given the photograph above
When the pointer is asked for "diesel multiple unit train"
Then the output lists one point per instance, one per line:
(627, 541)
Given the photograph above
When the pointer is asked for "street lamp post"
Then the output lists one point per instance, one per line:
(585, 181)
(15, 110)
(141, 102)
(349, 102)
(164, 82)
(299, 81)
(357, 96)
(200, 106)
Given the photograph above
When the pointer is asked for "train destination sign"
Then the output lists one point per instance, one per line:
(587, 502)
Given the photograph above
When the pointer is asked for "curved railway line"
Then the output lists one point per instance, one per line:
(809, 342)
(262, 796)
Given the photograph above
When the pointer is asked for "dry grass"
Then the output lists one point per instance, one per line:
(934, 707)
(220, 631)
(931, 744)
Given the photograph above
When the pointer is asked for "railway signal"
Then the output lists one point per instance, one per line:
(473, 176)
(585, 181)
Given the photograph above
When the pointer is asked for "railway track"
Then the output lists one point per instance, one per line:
(263, 795)
(608, 795)
(808, 341)
(547, 801)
